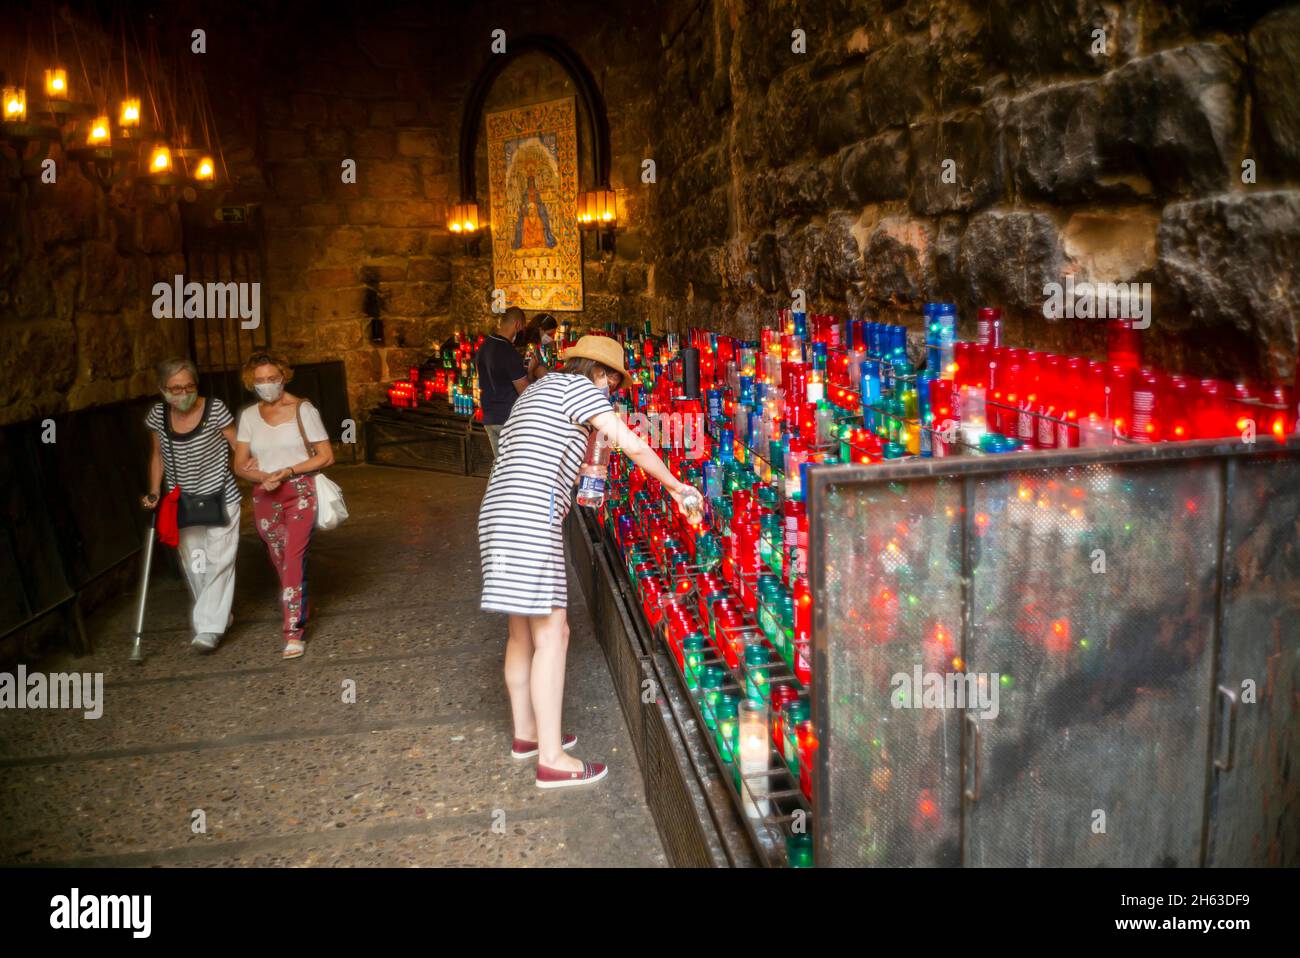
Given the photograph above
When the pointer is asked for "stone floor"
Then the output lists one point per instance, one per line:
(416, 772)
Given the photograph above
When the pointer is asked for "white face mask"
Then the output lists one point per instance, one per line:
(269, 392)
(184, 402)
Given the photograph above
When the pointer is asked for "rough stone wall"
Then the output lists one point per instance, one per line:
(776, 170)
(822, 170)
(76, 270)
(373, 88)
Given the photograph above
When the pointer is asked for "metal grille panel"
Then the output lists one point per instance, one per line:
(1097, 753)
(1256, 800)
(1119, 602)
(893, 602)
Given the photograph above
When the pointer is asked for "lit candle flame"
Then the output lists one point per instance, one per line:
(56, 83)
(15, 100)
(99, 132)
(161, 159)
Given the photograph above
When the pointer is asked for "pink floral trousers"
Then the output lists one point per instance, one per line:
(285, 520)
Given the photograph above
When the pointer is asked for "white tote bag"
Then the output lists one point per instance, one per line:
(331, 510)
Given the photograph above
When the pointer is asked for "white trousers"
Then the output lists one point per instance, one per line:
(207, 554)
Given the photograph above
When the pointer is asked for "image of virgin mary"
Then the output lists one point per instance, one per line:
(533, 225)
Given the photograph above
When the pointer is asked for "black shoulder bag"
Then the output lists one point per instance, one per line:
(195, 509)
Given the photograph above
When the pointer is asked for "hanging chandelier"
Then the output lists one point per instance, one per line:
(143, 142)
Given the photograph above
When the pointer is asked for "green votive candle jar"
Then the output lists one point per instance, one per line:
(799, 850)
(757, 665)
(711, 679)
(726, 726)
(796, 711)
(693, 656)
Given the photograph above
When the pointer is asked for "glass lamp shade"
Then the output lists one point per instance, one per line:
(463, 218)
(597, 208)
(14, 103)
(206, 171)
(56, 84)
(160, 160)
(99, 133)
(128, 117)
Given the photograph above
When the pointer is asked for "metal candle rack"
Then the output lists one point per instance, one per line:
(788, 809)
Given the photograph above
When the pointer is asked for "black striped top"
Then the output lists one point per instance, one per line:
(199, 460)
(543, 442)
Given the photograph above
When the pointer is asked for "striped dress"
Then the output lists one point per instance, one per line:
(541, 448)
(199, 460)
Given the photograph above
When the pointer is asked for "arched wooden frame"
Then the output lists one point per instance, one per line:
(577, 71)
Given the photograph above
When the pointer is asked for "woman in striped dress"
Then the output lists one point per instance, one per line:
(521, 542)
(193, 436)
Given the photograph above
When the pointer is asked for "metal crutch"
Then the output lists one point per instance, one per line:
(137, 653)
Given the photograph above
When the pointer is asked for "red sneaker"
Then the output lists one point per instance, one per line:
(591, 773)
(525, 749)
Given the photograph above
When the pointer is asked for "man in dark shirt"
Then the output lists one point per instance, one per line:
(502, 375)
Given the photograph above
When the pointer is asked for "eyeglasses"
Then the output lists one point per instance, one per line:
(182, 390)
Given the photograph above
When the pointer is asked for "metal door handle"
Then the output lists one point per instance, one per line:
(973, 793)
(1225, 764)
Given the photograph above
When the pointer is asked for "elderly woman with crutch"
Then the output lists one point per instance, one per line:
(193, 437)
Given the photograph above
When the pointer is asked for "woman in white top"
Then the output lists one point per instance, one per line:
(279, 444)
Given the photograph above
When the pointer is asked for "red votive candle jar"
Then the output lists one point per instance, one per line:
(1095, 395)
(1072, 399)
(978, 375)
(964, 357)
(1209, 416)
(989, 326)
(1281, 422)
(1180, 392)
(807, 740)
(802, 632)
(1148, 413)
(1123, 346)
(1049, 399)
(1119, 408)
(1243, 410)
(782, 692)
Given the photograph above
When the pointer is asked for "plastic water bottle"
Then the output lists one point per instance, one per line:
(693, 506)
(593, 474)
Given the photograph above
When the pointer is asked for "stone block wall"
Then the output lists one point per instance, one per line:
(377, 88)
(820, 170)
(1114, 161)
(76, 270)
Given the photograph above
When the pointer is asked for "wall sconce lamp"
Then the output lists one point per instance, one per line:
(20, 133)
(103, 161)
(598, 213)
(128, 117)
(462, 219)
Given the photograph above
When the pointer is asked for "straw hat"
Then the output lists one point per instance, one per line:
(604, 350)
